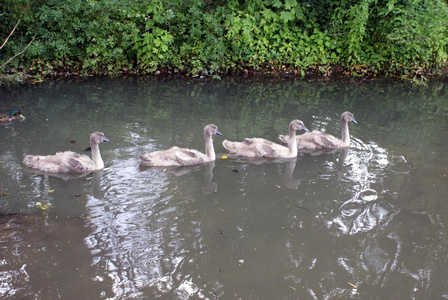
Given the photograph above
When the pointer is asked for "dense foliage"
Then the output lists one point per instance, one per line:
(405, 37)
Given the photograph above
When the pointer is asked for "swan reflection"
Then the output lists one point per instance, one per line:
(208, 187)
(288, 180)
(97, 192)
(96, 179)
(341, 167)
(65, 177)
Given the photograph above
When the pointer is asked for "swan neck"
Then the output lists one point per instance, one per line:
(345, 133)
(96, 156)
(292, 142)
(209, 149)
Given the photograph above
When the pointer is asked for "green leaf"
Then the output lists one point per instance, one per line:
(286, 16)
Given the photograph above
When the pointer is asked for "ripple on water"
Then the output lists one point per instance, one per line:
(139, 241)
(125, 234)
(371, 189)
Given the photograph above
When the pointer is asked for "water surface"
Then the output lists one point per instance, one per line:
(365, 223)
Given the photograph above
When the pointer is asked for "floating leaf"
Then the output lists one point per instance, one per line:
(224, 157)
(43, 206)
(51, 191)
(46, 206)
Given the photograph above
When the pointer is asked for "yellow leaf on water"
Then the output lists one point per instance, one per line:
(224, 157)
(43, 205)
(51, 191)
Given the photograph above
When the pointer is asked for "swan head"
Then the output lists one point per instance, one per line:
(98, 137)
(16, 113)
(298, 125)
(348, 117)
(211, 129)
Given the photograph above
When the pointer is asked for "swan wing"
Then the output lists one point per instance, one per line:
(61, 162)
(173, 157)
(255, 147)
(316, 140)
(284, 139)
(187, 157)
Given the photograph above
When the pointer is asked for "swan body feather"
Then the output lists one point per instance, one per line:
(317, 140)
(69, 162)
(177, 157)
(262, 148)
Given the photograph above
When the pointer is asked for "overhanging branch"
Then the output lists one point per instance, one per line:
(4, 43)
(12, 57)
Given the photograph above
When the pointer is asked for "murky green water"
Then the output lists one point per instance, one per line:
(368, 223)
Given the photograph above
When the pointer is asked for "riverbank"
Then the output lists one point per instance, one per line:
(315, 73)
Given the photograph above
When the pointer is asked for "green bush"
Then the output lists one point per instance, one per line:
(405, 37)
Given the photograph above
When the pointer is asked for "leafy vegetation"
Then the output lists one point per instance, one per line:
(212, 37)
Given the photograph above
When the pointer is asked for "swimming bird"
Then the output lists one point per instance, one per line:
(68, 161)
(262, 148)
(177, 157)
(12, 116)
(317, 140)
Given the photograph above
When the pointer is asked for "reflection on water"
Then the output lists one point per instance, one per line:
(365, 222)
(209, 186)
(43, 258)
(366, 210)
(156, 239)
(289, 180)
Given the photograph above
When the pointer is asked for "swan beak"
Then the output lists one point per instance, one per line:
(105, 139)
(305, 129)
(218, 133)
(354, 121)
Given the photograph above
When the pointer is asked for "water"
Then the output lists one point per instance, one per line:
(368, 223)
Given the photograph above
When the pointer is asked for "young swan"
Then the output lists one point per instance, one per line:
(317, 140)
(177, 157)
(68, 161)
(13, 115)
(261, 148)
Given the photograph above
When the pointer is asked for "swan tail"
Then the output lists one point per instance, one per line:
(231, 147)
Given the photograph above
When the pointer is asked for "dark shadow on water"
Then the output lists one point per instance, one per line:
(37, 255)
